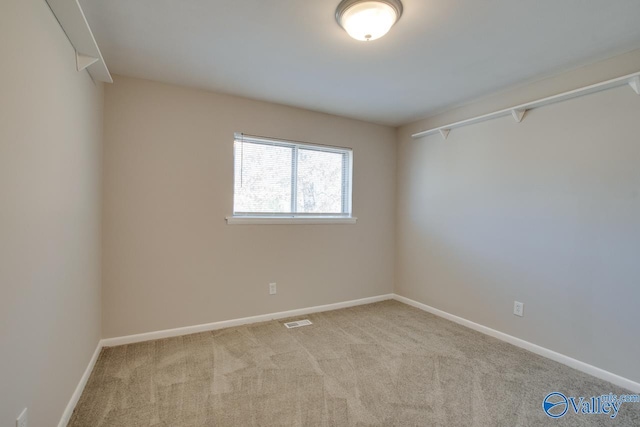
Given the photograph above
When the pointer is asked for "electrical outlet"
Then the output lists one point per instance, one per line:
(518, 308)
(21, 421)
(272, 289)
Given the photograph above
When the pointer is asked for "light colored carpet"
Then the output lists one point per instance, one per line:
(383, 364)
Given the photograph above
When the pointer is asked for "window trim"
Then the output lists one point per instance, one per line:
(291, 217)
(291, 220)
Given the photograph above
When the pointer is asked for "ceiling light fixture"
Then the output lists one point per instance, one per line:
(368, 20)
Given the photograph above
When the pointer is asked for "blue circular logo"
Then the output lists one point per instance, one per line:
(555, 405)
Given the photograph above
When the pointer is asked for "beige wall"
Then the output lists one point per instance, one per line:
(50, 191)
(170, 259)
(546, 212)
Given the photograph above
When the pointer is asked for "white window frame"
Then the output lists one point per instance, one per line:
(346, 217)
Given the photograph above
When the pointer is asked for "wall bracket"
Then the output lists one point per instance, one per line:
(635, 84)
(518, 115)
(83, 61)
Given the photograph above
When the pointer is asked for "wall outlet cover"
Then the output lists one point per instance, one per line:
(518, 308)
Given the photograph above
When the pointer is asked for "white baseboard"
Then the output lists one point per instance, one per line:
(534, 348)
(66, 415)
(167, 333)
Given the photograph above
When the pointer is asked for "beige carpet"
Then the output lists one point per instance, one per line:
(384, 364)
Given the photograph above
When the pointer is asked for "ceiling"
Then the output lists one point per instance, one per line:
(440, 54)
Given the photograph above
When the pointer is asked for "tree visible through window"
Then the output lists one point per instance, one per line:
(284, 178)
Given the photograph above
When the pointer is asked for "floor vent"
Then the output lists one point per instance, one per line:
(298, 323)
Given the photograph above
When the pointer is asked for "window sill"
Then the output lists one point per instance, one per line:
(249, 220)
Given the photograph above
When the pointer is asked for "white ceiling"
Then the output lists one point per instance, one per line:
(441, 53)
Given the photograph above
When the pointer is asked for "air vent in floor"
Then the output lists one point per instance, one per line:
(298, 323)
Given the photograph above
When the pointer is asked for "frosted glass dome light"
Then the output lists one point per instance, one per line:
(368, 20)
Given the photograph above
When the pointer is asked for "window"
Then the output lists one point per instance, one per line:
(284, 179)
